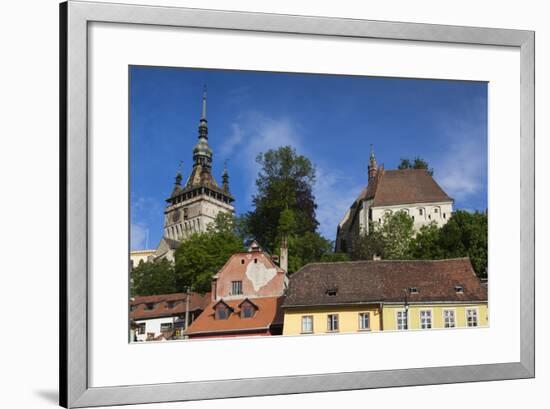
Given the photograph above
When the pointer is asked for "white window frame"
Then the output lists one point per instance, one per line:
(360, 317)
(239, 284)
(405, 319)
(476, 316)
(431, 321)
(310, 317)
(331, 322)
(453, 310)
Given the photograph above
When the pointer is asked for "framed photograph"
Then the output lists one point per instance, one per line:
(266, 204)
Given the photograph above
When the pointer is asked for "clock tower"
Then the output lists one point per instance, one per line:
(193, 206)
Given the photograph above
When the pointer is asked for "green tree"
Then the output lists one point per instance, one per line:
(426, 245)
(465, 234)
(153, 277)
(390, 239)
(285, 182)
(201, 256)
(416, 163)
(307, 248)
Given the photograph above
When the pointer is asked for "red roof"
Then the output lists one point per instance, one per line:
(406, 186)
(162, 305)
(386, 281)
(268, 313)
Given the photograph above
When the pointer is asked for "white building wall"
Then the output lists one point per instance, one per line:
(422, 213)
(152, 325)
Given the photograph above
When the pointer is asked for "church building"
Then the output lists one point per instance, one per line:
(192, 206)
(413, 191)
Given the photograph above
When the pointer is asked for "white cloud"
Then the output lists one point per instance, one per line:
(334, 193)
(252, 134)
(143, 210)
(138, 236)
(461, 170)
(255, 133)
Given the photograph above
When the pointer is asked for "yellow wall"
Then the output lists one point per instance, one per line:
(389, 315)
(348, 318)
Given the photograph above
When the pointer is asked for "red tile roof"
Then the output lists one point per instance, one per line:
(138, 305)
(384, 281)
(268, 313)
(405, 186)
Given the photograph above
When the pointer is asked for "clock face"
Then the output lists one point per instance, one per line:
(176, 215)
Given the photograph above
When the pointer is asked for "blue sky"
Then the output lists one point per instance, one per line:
(330, 119)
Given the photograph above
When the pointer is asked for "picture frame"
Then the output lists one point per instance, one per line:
(75, 390)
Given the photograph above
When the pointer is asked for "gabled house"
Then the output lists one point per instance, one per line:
(247, 294)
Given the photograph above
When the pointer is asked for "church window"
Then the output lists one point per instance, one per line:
(255, 261)
(435, 210)
(444, 215)
(430, 216)
(421, 212)
(413, 218)
(242, 261)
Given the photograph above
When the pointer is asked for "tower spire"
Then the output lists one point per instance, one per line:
(203, 115)
(225, 177)
(373, 166)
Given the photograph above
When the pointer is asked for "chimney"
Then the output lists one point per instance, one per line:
(283, 260)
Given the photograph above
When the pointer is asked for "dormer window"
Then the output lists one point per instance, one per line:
(170, 304)
(248, 308)
(222, 313)
(459, 289)
(331, 292)
(247, 311)
(149, 306)
(222, 310)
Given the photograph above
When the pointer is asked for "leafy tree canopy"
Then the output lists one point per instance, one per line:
(464, 235)
(390, 239)
(285, 182)
(153, 277)
(416, 163)
(201, 256)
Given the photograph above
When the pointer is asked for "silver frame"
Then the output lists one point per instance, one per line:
(74, 19)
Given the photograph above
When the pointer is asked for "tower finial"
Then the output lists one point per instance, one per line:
(203, 115)
(373, 166)
(225, 177)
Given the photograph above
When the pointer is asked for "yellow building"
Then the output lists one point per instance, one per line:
(363, 296)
